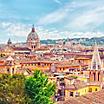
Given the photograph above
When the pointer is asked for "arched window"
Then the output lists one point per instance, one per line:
(71, 93)
(95, 89)
(98, 76)
(8, 71)
(94, 76)
(13, 71)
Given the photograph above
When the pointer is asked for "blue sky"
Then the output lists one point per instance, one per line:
(52, 18)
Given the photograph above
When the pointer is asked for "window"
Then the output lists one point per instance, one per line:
(95, 89)
(32, 46)
(99, 67)
(94, 76)
(77, 94)
(98, 76)
(71, 93)
(13, 71)
(8, 71)
(90, 89)
(38, 64)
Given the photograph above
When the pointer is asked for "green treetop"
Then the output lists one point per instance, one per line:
(39, 89)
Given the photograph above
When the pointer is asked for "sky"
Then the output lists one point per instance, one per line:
(53, 19)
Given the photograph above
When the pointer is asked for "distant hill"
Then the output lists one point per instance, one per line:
(84, 41)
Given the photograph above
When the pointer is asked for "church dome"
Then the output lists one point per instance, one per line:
(32, 35)
(33, 40)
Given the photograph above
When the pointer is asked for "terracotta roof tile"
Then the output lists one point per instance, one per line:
(91, 98)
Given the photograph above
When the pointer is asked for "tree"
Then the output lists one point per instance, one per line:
(39, 89)
(12, 90)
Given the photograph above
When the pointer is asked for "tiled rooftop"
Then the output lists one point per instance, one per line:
(91, 98)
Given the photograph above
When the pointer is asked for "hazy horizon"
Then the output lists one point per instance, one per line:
(53, 19)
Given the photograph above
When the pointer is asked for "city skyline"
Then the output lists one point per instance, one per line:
(53, 19)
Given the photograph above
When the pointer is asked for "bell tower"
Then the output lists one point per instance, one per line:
(96, 70)
(9, 42)
(10, 65)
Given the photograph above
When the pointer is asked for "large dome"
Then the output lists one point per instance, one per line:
(32, 35)
(33, 40)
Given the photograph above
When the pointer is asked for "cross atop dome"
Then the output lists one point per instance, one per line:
(33, 29)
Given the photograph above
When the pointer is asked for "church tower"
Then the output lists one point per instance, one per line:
(10, 65)
(9, 42)
(96, 70)
(33, 41)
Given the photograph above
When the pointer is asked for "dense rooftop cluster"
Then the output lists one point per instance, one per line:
(76, 70)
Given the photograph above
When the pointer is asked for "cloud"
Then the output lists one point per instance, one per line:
(47, 34)
(53, 17)
(22, 30)
(62, 13)
(57, 1)
(55, 34)
(76, 16)
(84, 34)
(15, 29)
(88, 20)
(56, 16)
